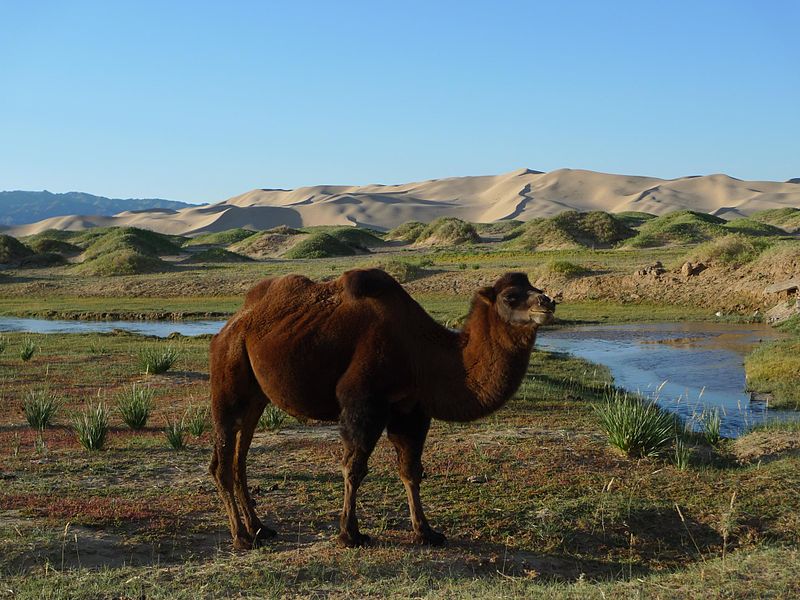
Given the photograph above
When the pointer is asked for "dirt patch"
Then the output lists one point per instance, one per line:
(765, 446)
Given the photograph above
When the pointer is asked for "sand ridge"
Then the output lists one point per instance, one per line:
(522, 194)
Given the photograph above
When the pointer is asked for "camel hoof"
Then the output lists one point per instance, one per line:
(359, 540)
(241, 542)
(430, 538)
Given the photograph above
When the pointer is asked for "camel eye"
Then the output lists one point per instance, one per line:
(512, 298)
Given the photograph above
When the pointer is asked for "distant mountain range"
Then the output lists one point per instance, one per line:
(19, 207)
(523, 194)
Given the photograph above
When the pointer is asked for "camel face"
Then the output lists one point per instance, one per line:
(519, 303)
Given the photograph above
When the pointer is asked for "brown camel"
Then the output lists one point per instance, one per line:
(361, 351)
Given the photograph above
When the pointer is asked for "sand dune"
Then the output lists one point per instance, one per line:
(523, 194)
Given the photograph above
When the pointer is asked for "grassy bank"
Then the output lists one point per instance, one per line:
(534, 500)
(773, 369)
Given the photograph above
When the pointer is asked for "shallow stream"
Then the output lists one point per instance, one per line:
(686, 367)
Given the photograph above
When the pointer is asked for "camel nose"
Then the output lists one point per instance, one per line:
(546, 302)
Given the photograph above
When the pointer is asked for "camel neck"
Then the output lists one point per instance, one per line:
(494, 357)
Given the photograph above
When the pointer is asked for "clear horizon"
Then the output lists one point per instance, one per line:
(148, 100)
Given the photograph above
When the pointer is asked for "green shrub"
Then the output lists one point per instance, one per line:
(566, 268)
(197, 420)
(356, 237)
(680, 227)
(635, 426)
(176, 434)
(154, 360)
(319, 245)
(217, 255)
(135, 405)
(407, 232)
(49, 245)
(47, 259)
(27, 350)
(448, 231)
(220, 238)
(788, 219)
(40, 406)
(12, 250)
(633, 218)
(272, 418)
(402, 270)
(132, 239)
(571, 229)
(91, 426)
(753, 228)
(735, 249)
(122, 262)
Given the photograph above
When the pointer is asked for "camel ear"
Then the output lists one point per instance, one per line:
(487, 295)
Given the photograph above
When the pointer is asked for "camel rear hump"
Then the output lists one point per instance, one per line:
(369, 283)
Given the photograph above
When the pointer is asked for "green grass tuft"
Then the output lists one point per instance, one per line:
(197, 420)
(40, 406)
(135, 405)
(221, 238)
(91, 426)
(27, 349)
(272, 418)
(176, 434)
(635, 426)
(566, 268)
(154, 360)
(407, 232)
(680, 227)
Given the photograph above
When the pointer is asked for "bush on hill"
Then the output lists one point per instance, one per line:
(787, 219)
(319, 245)
(139, 241)
(402, 270)
(734, 249)
(501, 228)
(220, 238)
(407, 232)
(634, 218)
(44, 259)
(51, 245)
(448, 231)
(217, 255)
(122, 262)
(12, 250)
(680, 227)
(566, 269)
(753, 228)
(572, 229)
(355, 237)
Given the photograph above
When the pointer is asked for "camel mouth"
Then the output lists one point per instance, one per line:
(541, 317)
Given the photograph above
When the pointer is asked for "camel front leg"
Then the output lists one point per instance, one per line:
(407, 433)
(360, 431)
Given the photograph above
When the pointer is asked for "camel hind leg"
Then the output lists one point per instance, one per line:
(252, 523)
(236, 402)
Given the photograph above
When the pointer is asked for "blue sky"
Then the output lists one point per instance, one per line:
(199, 101)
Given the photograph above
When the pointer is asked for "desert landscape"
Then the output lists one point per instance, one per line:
(580, 487)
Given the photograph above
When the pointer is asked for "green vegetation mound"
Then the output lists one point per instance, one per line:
(407, 232)
(44, 259)
(572, 229)
(774, 368)
(402, 270)
(787, 219)
(320, 245)
(566, 269)
(283, 230)
(355, 237)
(735, 249)
(448, 231)
(122, 262)
(140, 241)
(217, 255)
(753, 228)
(221, 238)
(53, 246)
(634, 218)
(501, 228)
(680, 227)
(52, 234)
(12, 250)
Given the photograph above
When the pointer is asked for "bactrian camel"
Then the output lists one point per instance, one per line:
(359, 350)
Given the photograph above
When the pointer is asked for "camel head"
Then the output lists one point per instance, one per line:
(518, 302)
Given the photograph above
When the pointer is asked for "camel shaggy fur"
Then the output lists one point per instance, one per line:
(359, 350)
